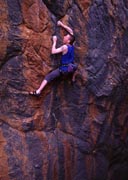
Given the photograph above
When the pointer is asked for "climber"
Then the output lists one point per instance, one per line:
(67, 60)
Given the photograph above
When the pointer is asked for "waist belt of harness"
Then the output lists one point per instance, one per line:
(66, 64)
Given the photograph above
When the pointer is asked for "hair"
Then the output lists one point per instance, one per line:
(72, 38)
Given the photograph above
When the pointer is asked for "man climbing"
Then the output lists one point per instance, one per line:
(67, 59)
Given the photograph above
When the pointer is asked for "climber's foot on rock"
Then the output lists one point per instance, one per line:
(34, 93)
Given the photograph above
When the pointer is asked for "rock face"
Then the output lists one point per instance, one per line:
(74, 131)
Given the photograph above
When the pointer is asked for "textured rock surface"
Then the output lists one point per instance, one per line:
(74, 131)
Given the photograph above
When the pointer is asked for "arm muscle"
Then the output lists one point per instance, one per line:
(62, 49)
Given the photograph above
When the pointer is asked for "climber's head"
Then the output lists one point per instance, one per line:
(69, 39)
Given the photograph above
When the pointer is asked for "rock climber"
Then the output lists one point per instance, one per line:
(67, 60)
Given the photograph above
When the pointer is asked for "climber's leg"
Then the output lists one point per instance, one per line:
(49, 77)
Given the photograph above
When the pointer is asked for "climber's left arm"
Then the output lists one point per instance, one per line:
(62, 49)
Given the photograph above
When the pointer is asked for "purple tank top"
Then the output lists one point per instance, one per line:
(69, 56)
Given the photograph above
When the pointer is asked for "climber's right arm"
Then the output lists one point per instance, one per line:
(67, 28)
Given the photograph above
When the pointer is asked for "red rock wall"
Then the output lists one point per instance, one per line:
(74, 131)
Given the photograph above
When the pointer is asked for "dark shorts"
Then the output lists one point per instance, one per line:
(62, 70)
(52, 75)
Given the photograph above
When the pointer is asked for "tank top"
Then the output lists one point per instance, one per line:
(67, 59)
